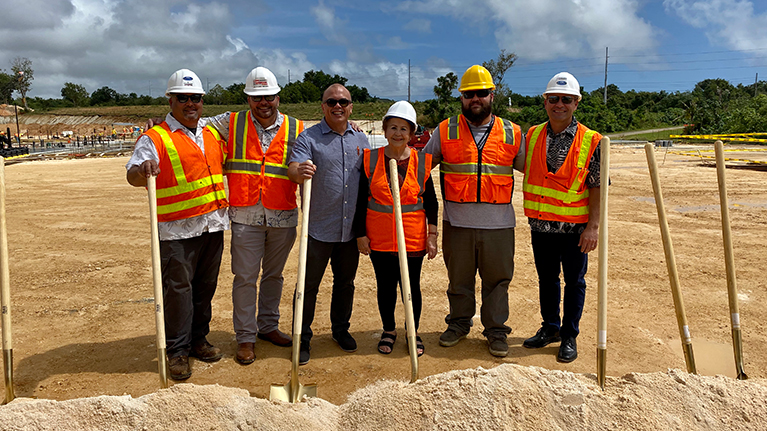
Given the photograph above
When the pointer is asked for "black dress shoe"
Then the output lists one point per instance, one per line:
(303, 354)
(543, 337)
(345, 341)
(568, 350)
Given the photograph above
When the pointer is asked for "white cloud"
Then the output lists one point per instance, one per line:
(418, 25)
(329, 24)
(547, 29)
(729, 23)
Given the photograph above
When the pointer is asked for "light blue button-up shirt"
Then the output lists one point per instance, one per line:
(335, 183)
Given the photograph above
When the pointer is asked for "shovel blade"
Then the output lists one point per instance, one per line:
(284, 393)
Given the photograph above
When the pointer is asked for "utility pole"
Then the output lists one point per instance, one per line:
(755, 81)
(408, 80)
(150, 88)
(606, 76)
(288, 76)
(207, 84)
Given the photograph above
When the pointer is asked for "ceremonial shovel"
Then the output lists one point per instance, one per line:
(668, 248)
(159, 310)
(403, 271)
(729, 259)
(604, 170)
(293, 391)
(5, 295)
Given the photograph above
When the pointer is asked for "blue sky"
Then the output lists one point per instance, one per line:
(133, 46)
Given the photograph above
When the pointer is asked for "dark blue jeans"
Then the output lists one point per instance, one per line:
(553, 251)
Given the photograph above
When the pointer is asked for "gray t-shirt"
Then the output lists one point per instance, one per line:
(476, 215)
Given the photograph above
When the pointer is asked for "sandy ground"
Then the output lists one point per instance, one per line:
(83, 320)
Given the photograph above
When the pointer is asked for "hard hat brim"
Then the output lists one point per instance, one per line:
(477, 87)
(262, 92)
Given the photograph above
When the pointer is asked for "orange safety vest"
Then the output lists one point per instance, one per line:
(380, 220)
(253, 175)
(469, 175)
(561, 196)
(190, 183)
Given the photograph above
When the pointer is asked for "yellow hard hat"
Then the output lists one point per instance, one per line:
(476, 78)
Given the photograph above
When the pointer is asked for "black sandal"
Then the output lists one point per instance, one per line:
(418, 345)
(387, 340)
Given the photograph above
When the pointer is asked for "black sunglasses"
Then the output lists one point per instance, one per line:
(479, 93)
(565, 99)
(269, 98)
(343, 102)
(183, 98)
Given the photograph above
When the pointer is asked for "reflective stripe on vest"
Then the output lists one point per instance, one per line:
(183, 186)
(471, 168)
(389, 209)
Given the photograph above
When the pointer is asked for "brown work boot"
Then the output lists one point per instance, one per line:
(205, 352)
(277, 337)
(179, 368)
(245, 354)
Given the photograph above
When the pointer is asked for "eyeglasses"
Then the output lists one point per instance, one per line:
(479, 93)
(343, 102)
(269, 98)
(565, 99)
(183, 98)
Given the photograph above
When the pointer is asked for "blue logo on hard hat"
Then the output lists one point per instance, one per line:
(188, 78)
(561, 82)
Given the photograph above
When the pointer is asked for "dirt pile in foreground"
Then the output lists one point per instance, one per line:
(508, 397)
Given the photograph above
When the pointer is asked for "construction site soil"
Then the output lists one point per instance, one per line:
(84, 332)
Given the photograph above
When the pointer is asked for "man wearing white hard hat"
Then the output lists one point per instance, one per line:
(477, 152)
(192, 217)
(561, 199)
(263, 209)
(374, 222)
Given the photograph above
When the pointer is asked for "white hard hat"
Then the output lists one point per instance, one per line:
(184, 81)
(261, 82)
(404, 110)
(564, 83)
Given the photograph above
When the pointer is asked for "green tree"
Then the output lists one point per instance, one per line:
(359, 94)
(7, 85)
(322, 80)
(22, 70)
(104, 96)
(75, 93)
(215, 95)
(235, 95)
(445, 86)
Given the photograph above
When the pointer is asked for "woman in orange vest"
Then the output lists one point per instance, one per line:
(374, 222)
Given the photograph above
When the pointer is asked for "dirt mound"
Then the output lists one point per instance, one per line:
(509, 397)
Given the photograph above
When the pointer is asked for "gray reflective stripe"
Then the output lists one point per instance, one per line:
(240, 127)
(421, 173)
(508, 127)
(276, 170)
(497, 170)
(452, 128)
(373, 163)
(291, 135)
(389, 209)
(458, 168)
(254, 166)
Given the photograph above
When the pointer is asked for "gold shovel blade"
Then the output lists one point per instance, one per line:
(283, 393)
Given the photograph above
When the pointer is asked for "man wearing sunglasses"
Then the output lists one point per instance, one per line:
(192, 217)
(328, 153)
(263, 209)
(477, 152)
(561, 195)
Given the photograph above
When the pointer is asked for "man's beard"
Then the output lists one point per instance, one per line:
(477, 117)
